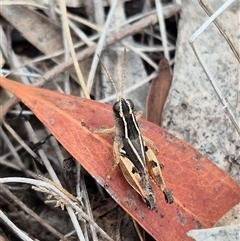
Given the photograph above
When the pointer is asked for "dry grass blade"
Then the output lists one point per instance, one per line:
(73, 54)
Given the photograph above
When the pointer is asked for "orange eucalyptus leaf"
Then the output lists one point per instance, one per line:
(203, 193)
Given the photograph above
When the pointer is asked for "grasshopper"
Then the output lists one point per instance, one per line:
(132, 151)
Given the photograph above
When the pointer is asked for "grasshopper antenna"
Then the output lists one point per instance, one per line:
(109, 76)
(123, 73)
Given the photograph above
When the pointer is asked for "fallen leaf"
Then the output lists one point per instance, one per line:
(36, 28)
(203, 193)
(158, 93)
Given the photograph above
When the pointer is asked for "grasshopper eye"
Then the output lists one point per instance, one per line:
(116, 106)
(130, 103)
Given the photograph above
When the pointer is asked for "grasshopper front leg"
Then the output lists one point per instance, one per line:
(154, 169)
(100, 131)
(107, 131)
(116, 155)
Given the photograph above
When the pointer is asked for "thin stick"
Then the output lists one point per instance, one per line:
(21, 142)
(210, 20)
(221, 29)
(15, 229)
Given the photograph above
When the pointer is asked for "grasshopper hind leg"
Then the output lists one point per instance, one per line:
(154, 168)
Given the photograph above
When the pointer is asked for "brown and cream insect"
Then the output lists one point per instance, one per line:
(132, 151)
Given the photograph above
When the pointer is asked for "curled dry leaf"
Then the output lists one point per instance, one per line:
(158, 93)
(202, 192)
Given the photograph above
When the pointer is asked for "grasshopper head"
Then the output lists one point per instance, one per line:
(123, 107)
